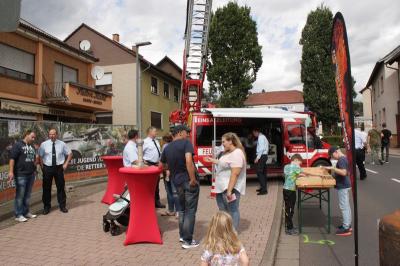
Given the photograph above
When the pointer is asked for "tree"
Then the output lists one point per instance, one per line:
(317, 74)
(234, 54)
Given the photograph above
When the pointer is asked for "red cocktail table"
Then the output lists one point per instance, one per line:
(143, 224)
(116, 182)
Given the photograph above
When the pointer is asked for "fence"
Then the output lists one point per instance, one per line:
(88, 142)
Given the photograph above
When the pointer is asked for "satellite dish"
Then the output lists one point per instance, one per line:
(84, 45)
(97, 73)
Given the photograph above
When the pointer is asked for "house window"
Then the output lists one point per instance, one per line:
(381, 84)
(105, 83)
(373, 93)
(64, 74)
(16, 63)
(380, 118)
(384, 115)
(166, 90)
(176, 94)
(154, 88)
(378, 89)
(156, 120)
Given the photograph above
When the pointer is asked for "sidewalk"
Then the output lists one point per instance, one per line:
(77, 238)
(394, 151)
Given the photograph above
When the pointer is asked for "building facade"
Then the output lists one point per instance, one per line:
(160, 84)
(291, 100)
(42, 78)
(383, 88)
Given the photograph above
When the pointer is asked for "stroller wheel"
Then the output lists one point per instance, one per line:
(114, 230)
(106, 226)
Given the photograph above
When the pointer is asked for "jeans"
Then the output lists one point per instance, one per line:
(261, 172)
(289, 197)
(172, 196)
(188, 200)
(230, 207)
(344, 206)
(385, 146)
(375, 154)
(23, 191)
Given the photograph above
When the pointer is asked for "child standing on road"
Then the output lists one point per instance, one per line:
(291, 171)
(222, 245)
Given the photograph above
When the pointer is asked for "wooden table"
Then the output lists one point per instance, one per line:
(115, 183)
(318, 180)
(143, 224)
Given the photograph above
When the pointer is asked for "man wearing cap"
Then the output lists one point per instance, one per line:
(178, 158)
(343, 186)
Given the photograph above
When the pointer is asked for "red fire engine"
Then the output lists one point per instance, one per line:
(286, 131)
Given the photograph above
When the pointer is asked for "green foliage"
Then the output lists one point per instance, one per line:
(358, 108)
(334, 140)
(317, 73)
(234, 55)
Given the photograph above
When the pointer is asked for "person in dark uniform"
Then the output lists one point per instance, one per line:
(261, 160)
(54, 158)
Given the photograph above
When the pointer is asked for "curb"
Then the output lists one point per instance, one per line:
(7, 208)
(272, 243)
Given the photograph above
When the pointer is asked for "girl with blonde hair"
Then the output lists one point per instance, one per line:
(221, 244)
(230, 181)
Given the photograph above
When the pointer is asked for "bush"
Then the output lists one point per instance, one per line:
(334, 140)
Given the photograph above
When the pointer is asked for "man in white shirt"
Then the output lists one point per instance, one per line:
(151, 156)
(130, 153)
(360, 140)
(261, 160)
(54, 158)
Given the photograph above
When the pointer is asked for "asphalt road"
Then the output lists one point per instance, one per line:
(378, 195)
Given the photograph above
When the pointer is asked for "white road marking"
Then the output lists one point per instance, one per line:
(396, 180)
(369, 170)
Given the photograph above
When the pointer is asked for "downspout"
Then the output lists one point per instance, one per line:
(398, 101)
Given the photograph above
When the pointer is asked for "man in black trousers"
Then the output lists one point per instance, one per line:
(261, 160)
(54, 158)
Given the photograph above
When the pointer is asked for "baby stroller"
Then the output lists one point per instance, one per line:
(117, 212)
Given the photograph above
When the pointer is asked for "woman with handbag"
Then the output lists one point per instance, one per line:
(230, 181)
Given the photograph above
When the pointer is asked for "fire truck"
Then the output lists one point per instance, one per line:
(287, 132)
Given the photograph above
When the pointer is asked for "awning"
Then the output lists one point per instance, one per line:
(255, 113)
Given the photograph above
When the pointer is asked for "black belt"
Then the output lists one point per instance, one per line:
(150, 163)
(53, 166)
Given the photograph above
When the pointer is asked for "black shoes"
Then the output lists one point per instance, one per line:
(46, 211)
(364, 177)
(262, 192)
(159, 205)
(63, 209)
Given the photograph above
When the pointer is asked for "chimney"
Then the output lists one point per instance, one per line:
(134, 48)
(115, 37)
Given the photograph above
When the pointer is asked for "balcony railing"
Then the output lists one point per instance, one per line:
(76, 95)
(54, 92)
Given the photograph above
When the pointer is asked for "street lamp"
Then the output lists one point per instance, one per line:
(138, 88)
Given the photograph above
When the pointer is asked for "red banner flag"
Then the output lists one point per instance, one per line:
(341, 63)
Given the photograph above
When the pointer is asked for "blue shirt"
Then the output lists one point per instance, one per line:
(46, 148)
(342, 181)
(130, 153)
(262, 146)
(291, 172)
(151, 150)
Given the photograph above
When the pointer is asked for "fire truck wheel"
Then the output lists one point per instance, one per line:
(320, 162)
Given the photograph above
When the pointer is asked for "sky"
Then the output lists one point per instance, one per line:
(373, 30)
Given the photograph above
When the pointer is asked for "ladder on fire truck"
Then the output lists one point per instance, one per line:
(198, 16)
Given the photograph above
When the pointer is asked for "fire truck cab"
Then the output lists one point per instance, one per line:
(286, 132)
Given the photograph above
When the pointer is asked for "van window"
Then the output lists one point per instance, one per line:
(297, 135)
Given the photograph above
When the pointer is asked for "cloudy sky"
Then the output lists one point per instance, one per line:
(373, 28)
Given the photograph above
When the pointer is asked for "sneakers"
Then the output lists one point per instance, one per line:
(291, 232)
(341, 227)
(30, 215)
(192, 244)
(21, 219)
(343, 232)
(181, 240)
